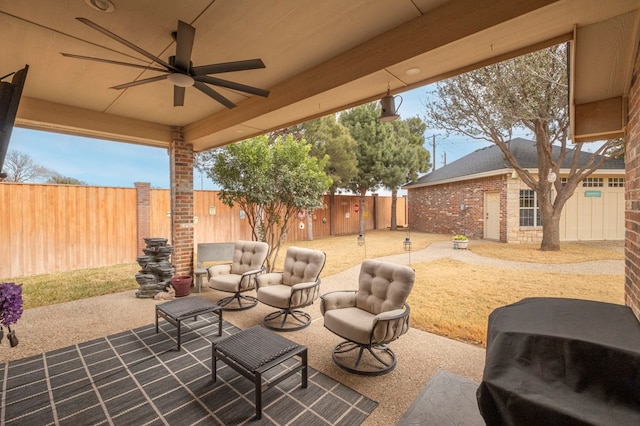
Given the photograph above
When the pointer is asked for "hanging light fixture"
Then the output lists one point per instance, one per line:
(389, 111)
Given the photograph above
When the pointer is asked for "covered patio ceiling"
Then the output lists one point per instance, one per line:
(320, 57)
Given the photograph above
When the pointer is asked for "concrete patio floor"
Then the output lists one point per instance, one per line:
(420, 354)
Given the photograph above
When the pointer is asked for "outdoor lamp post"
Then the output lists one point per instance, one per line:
(407, 244)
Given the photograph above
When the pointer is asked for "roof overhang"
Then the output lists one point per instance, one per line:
(321, 57)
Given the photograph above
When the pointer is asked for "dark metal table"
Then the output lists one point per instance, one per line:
(255, 351)
(178, 310)
(554, 361)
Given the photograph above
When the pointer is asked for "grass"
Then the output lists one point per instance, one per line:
(449, 298)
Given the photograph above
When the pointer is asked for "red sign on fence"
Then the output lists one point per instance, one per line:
(356, 208)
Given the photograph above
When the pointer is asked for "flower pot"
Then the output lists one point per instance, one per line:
(460, 244)
(182, 285)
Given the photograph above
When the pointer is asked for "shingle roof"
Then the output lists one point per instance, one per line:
(491, 159)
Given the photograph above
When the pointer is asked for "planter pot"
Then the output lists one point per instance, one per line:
(182, 285)
(460, 244)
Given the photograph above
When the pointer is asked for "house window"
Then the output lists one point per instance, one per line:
(617, 182)
(592, 182)
(529, 212)
(563, 181)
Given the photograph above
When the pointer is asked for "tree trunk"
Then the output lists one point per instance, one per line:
(332, 214)
(394, 202)
(361, 212)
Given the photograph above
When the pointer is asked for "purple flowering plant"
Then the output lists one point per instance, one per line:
(10, 310)
(10, 303)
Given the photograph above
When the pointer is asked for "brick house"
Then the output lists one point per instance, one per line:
(482, 196)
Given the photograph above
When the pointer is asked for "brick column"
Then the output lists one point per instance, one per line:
(632, 196)
(182, 237)
(143, 209)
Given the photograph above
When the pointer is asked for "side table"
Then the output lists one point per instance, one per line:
(199, 273)
(176, 311)
(255, 351)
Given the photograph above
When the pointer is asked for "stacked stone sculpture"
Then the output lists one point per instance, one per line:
(155, 275)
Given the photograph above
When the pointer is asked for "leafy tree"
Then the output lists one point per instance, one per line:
(271, 182)
(20, 167)
(328, 138)
(404, 157)
(531, 92)
(372, 139)
(64, 180)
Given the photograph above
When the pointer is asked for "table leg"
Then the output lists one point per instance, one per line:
(178, 322)
(156, 318)
(257, 379)
(219, 322)
(303, 359)
(214, 358)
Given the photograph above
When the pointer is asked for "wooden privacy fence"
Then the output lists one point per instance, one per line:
(50, 228)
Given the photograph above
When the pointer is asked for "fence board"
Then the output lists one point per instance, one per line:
(49, 228)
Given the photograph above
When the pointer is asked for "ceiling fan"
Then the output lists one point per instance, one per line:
(179, 70)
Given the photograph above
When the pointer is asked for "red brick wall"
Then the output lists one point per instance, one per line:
(437, 208)
(632, 190)
(181, 164)
(143, 217)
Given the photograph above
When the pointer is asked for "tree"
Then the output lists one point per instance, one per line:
(531, 92)
(328, 138)
(372, 138)
(404, 157)
(20, 167)
(64, 180)
(271, 182)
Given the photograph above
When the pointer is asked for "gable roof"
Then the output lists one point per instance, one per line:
(490, 161)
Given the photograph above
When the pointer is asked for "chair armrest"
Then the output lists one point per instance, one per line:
(389, 325)
(216, 270)
(304, 294)
(253, 272)
(270, 278)
(249, 276)
(337, 300)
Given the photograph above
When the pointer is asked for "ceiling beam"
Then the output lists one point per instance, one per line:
(38, 114)
(448, 23)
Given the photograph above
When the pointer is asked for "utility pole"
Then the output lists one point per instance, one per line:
(433, 145)
(444, 156)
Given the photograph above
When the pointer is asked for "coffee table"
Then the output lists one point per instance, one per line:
(255, 351)
(176, 311)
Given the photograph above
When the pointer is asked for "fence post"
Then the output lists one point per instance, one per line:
(143, 211)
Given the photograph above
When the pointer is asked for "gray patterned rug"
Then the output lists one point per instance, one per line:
(138, 378)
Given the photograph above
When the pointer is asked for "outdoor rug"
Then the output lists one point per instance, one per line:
(139, 378)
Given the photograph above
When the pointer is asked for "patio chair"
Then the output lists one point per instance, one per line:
(294, 288)
(239, 276)
(370, 317)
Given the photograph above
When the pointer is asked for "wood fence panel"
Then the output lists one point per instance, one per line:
(49, 228)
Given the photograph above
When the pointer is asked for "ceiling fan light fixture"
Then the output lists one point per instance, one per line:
(180, 80)
(101, 5)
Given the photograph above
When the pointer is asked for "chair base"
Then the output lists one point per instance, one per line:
(278, 320)
(238, 298)
(378, 360)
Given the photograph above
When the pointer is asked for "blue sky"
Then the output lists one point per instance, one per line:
(106, 163)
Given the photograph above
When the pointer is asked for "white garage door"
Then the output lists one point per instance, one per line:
(595, 211)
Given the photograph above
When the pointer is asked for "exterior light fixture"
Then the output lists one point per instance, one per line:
(389, 111)
(407, 244)
(101, 5)
(180, 80)
(360, 239)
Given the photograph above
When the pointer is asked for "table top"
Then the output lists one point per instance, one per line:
(561, 361)
(255, 347)
(187, 306)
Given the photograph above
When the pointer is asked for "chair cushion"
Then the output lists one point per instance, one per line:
(350, 323)
(275, 295)
(302, 265)
(248, 256)
(229, 283)
(383, 286)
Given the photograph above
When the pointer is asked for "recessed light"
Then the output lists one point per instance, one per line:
(412, 71)
(101, 5)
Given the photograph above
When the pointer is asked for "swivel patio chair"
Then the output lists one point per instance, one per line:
(370, 317)
(294, 288)
(239, 276)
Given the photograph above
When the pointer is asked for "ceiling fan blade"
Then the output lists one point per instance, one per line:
(232, 85)
(184, 45)
(126, 43)
(139, 82)
(178, 96)
(215, 95)
(249, 64)
(109, 61)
